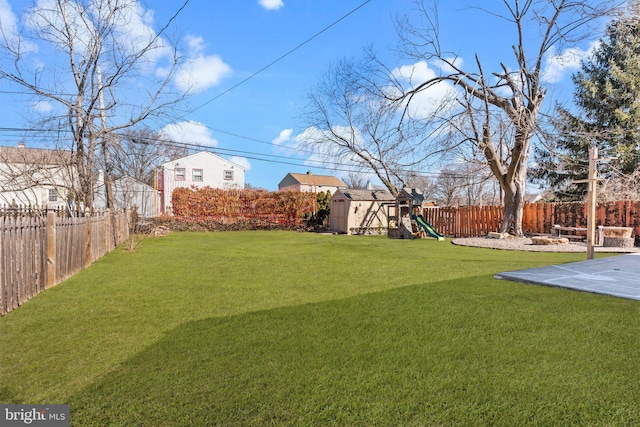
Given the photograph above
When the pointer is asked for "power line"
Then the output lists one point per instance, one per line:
(275, 159)
(262, 157)
(280, 58)
(253, 75)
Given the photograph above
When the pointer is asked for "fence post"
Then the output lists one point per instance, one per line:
(111, 234)
(51, 249)
(87, 238)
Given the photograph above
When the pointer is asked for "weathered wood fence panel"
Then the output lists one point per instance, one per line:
(537, 218)
(38, 251)
(70, 248)
(23, 265)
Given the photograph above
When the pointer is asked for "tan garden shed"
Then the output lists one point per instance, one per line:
(360, 211)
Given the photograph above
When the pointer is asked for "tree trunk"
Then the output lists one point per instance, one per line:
(513, 207)
(514, 193)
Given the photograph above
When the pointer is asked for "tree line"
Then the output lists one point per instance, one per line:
(464, 130)
(400, 122)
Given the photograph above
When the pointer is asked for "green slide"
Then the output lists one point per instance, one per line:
(427, 227)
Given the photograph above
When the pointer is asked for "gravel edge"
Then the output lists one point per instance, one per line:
(524, 244)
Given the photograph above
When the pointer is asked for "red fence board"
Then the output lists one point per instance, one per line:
(537, 218)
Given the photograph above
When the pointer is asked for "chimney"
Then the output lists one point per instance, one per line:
(308, 172)
(21, 144)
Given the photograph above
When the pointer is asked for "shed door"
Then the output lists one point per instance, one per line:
(339, 217)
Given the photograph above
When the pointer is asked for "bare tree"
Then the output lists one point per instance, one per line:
(355, 179)
(620, 186)
(468, 184)
(515, 90)
(476, 182)
(426, 184)
(351, 120)
(137, 152)
(97, 61)
(447, 187)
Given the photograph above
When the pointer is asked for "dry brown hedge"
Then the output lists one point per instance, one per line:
(217, 209)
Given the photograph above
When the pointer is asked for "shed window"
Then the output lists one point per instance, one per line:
(197, 175)
(228, 175)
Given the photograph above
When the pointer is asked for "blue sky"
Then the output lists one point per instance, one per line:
(229, 41)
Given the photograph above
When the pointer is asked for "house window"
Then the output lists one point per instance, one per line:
(53, 195)
(228, 175)
(180, 174)
(197, 175)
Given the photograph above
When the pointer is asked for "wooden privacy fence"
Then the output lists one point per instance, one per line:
(464, 221)
(538, 218)
(38, 252)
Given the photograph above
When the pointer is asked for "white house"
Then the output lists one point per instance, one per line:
(308, 182)
(36, 176)
(203, 169)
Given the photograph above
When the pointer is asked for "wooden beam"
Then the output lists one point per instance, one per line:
(591, 213)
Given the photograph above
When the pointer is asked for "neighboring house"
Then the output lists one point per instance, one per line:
(128, 193)
(361, 211)
(308, 182)
(36, 177)
(203, 169)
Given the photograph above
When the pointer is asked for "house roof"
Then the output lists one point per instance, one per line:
(311, 179)
(204, 153)
(367, 195)
(30, 156)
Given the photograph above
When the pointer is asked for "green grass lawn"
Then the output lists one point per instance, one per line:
(285, 328)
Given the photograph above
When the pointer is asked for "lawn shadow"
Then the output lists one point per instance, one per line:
(456, 352)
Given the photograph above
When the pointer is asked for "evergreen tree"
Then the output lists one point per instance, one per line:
(323, 199)
(567, 161)
(607, 94)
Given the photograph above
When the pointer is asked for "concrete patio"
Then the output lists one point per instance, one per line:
(617, 276)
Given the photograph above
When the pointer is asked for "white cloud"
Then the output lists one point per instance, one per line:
(195, 43)
(448, 69)
(414, 74)
(569, 60)
(271, 4)
(310, 134)
(9, 29)
(314, 140)
(8, 21)
(242, 161)
(135, 32)
(429, 100)
(132, 24)
(43, 107)
(201, 73)
(189, 132)
(284, 136)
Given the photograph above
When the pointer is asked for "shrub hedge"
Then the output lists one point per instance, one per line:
(222, 210)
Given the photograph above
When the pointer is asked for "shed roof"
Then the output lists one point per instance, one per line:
(365, 195)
